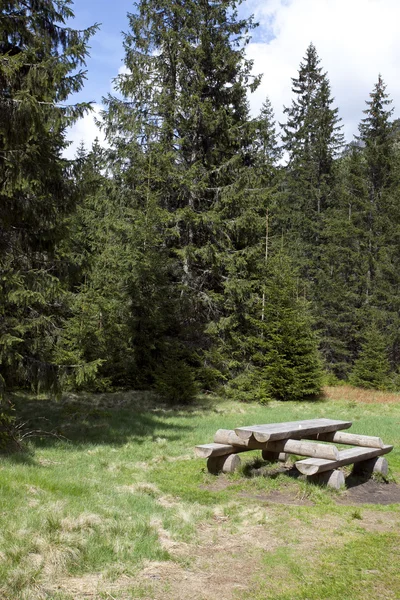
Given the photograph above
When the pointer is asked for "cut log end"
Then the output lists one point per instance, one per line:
(334, 479)
(374, 465)
(208, 450)
(223, 464)
(261, 437)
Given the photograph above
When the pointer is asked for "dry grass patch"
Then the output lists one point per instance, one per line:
(360, 395)
(83, 521)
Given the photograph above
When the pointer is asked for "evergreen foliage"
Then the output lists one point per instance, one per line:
(376, 132)
(371, 369)
(95, 336)
(283, 361)
(312, 138)
(41, 62)
(159, 262)
(190, 137)
(292, 366)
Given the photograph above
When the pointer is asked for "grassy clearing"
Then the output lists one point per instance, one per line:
(124, 510)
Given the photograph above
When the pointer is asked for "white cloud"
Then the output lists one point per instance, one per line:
(85, 130)
(355, 39)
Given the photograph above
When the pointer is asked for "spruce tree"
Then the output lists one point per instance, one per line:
(182, 141)
(95, 335)
(371, 369)
(283, 361)
(41, 61)
(361, 249)
(290, 358)
(343, 275)
(312, 138)
(376, 137)
(380, 217)
(376, 133)
(244, 285)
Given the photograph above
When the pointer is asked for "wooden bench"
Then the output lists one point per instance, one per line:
(276, 440)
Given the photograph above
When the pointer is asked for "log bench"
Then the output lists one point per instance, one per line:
(302, 438)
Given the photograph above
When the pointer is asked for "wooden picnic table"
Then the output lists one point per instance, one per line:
(291, 429)
(276, 440)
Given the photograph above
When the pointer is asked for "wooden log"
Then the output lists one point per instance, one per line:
(304, 449)
(274, 456)
(351, 439)
(333, 479)
(223, 464)
(207, 450)
(291, 429)
(311, 466)
(373, 465)
(228, 436)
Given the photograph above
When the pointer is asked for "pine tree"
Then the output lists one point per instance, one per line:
(376, 133)
(371, 369)
(312, 138)
(380, 217)
(184, 148)
(244, 286)
(292, 366)
(343, 275)
(360, 241)
(41, 62)
(376, 136)
(285, 362)
(95, 335)
(309, 202)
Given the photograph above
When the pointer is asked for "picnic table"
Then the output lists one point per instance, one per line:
(301, 438)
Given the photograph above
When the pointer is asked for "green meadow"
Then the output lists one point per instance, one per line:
(115, 505)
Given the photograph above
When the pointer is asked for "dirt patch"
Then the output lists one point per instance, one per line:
(378, 522)
(86, 586)
(370, 492)
(358, 491)
(218, 565)
(292, 499)
(221, 483)
(168, 501)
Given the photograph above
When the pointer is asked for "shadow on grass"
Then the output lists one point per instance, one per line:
(113, 418)
(354, 480)
(260, 468)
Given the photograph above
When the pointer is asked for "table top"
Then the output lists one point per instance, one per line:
(290, 429)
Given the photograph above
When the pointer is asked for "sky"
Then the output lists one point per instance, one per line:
(355, 40)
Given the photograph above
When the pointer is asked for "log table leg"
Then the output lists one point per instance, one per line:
(223, 464)
(333, 479)
(270, 456)
(374, 465)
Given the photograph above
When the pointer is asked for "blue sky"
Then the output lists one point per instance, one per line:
(106, 52)
(355, 39)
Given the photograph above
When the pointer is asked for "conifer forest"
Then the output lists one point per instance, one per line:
(205, 248)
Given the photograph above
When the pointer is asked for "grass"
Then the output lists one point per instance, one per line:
(354, 394)
(122, 509)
